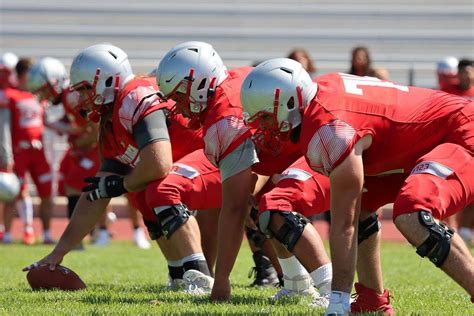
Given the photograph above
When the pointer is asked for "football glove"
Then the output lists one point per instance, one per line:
(104, 187)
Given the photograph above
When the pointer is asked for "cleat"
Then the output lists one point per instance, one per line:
(29, 238)
(369, 301)
(301, 285)
(263, 272)
(176, 284)
(102, 238)
(140, 240)
(48, 241)
(197, 283)
(321, 301)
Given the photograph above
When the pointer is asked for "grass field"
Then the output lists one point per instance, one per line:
(122, 279)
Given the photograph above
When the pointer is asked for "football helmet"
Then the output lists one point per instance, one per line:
(8, 62)
(97, 75)
(194, 70)
(48, 78)
(447, 66)
(9, 186)
(273, 96)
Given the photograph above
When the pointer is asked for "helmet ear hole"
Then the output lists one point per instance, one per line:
(291, 103)
(202, 84)
(109, 81)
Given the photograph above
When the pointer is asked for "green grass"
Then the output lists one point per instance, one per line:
(122, 279)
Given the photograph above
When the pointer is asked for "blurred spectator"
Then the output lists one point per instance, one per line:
(381, 73)
(361, 64)
(447, 70)
(303, 57)
(465, 86)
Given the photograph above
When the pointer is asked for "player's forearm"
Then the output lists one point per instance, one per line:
(85, 216)
(229, 236)
(343, 243)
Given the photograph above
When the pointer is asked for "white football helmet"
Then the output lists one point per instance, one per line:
(279, 88)
(8, 60)
(101, 70)
(48, 78)
(9, 186)
(193, 69)
(448, 66)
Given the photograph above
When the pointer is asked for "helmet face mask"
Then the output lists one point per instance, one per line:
(188, 75)
(87, 101)
(288, 87)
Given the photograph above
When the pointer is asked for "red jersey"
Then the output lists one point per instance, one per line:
(269, 164)
(130, 107)
(404, 122)
(26, 113)
(223, 127)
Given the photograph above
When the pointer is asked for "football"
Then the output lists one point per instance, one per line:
(62, 278)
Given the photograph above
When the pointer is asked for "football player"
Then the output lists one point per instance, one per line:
(7, 79)
(135, 142)
(27, 127)
(193, 75)
(350, 126)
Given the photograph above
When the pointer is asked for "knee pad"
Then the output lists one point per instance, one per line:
(436, 247)
(291, 230)
(172, 218)
(154, 229)
(367, 228)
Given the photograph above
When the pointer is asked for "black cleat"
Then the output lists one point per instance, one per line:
(263, 272)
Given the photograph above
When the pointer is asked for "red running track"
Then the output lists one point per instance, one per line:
(122, 229)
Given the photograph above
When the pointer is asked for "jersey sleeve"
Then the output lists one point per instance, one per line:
(241, 158)
(223, 137)
(330, 145)
(152, 128)
(137, 104)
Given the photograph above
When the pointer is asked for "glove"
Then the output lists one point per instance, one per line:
(104, 187)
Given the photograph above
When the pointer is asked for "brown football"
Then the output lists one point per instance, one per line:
(62, 278)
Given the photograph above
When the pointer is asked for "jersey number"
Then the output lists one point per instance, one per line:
(352, 83)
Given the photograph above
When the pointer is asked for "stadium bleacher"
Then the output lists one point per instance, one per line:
(406, 37)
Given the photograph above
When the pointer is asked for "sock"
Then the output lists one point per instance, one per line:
(175, 269)
(25, 209)
(46, 234)
(7, 236)
(465, 233)
(135, 227)
(196, 261)
(291, 267)
(322, 278)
